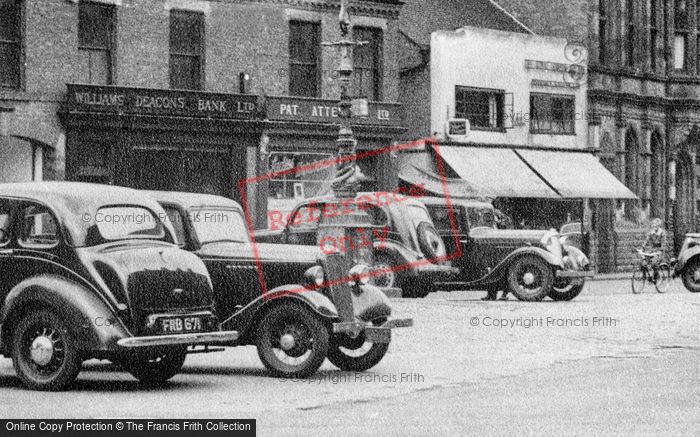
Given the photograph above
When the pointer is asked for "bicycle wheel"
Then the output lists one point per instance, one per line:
(639, 280)
(663, 279)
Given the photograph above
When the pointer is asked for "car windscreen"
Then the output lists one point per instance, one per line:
(213, 225)
(127, 222)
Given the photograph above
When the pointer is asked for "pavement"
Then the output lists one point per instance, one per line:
(466, 367)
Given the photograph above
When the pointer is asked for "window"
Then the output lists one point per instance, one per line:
(177, 221)
(95, 35)
(5, 221)
(186, 50)
(304, 48)
(680, 39)
(10, 43)
(552, 114)
(39, 229)
(630, 33)
(367, 60)
(483, 108)
(653, 35)
(602, 30)
(214, 225)
(126, 222)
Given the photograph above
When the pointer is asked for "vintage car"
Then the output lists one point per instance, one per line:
(276, 295)
(91, 271)
(532, 264)
(409, 252)
(687, 266)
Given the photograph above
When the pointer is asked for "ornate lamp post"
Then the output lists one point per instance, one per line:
(340, 235)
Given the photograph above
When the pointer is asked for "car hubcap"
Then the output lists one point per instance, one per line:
(529, 278)
(696, 275)
(287, 342)
(41, 350)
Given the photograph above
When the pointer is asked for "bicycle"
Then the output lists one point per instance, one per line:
(648, 270)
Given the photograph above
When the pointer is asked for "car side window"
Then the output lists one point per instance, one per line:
(39, 228)
(5, 221)
(305, 218)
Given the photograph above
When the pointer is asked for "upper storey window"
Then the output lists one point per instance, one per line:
(10, 43)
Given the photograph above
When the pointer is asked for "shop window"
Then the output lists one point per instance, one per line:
(304, 51)
(10, 43)
(552, 114)
(310, 181)
(367, 61)
(186, 50)
(39, 230)
(680, 39)
(483, 108)
(95, 33)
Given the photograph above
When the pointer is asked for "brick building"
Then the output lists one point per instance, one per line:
(192, 95)
(644, 107)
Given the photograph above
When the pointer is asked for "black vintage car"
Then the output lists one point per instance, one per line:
(91, 271)
(276, 295)
(409, 252)
(532, 264)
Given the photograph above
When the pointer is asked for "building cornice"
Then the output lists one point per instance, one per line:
(375, 8)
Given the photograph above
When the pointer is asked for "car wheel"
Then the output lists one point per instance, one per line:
(388, 277)
(530, 278)
(430, 241)
(292, 342)
(691, 276)
(356, 354)
(44, 352)
(567, 290)
(155, 366)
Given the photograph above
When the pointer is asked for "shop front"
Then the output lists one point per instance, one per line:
(298, 147)
(159, 139)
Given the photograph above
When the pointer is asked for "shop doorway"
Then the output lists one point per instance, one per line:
(685, 189)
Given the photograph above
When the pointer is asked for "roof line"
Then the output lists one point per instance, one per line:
(511, 16)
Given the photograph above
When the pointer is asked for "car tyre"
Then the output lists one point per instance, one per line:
(430, 241)
(356, 354)
(689, 275)
(44, 352)
(530, 278)
(288, 332)
(155, 367)
(568, 291)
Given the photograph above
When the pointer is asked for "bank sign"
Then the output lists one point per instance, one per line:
(142, 101)
(327, 111)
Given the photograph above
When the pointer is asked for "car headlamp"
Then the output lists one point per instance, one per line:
(359, 274)
(315, 276)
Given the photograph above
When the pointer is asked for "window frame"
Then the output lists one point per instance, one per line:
(201, 49)
(377, 46)
(292, 88)
(19, 44)
(7, 234)
(630, 49)
(499, 103)
(602, 31)
(20, 215)
(681, 29)
(552, 97)
(109, 49)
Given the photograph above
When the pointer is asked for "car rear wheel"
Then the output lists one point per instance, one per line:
(691, 276)
(567, 290)
(44, 352)
(292, 342)
(388, 277)
(356, 354)
(155, 367)
(530, 278)
(430, 241)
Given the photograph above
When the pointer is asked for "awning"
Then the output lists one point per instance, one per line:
(576, 175)
(495, 172)
(434, 184)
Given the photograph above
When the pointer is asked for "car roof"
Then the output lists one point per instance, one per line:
(73, 201)
(192, 200)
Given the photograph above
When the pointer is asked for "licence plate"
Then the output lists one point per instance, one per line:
(174, 325)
